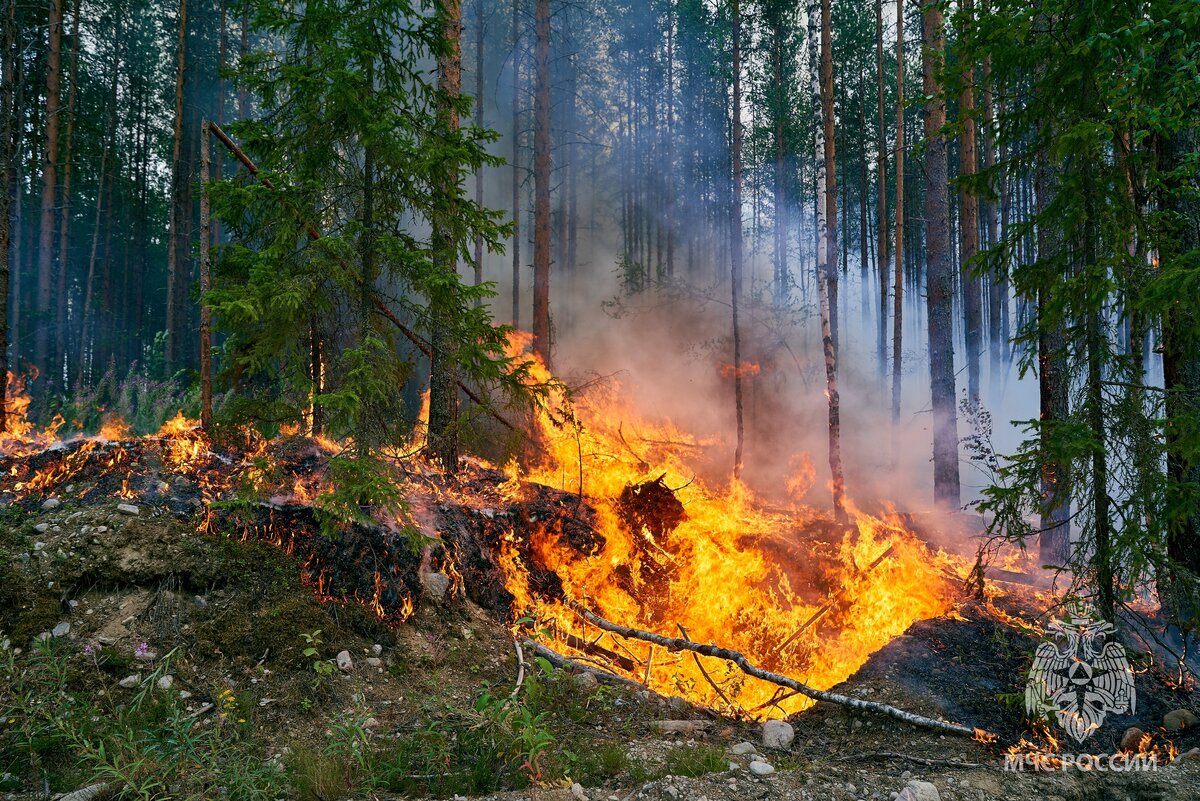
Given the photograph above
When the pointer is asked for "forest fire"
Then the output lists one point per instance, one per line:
(630, 533)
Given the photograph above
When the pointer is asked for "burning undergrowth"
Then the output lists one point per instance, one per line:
(609, 515)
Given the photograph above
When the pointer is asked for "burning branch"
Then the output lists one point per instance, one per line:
(739, 659)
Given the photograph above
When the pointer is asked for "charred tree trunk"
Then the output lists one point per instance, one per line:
(443, 393)
(735, 234)
(898, 288)
(176, 273)
(825, 249)
(45, 271)
(541, 185)
(939, 269)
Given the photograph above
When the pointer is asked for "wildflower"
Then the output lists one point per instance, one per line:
(142, 650)
(90, 649)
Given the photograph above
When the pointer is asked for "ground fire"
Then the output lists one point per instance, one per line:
(608, 515)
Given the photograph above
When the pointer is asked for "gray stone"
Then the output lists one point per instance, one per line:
(89, 793)
(61, 630)
(1188, 756)
(917, 790)
(743, 749)
(777, 734)
(200, 601)
(344, 662)
(435, 585)
(50, 504)
(577, 792)
(1130, 739)
(374, 661)
(377, 649)
(130, 681)
(128, 509)
(1180, 719)
(761, 768)
(851, 789)
(37, 546)
(42, 528)
(585, 681)
(166, 681)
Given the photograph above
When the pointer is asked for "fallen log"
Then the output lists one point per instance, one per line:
(739, 659)
(563, 663)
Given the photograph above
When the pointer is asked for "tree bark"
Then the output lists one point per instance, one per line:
(735, 234)
(443, 395)
(541, 185)
(516, 164)
(825, 249)
(898, 288)
(45, 272)
(206, 412)
(997, 287)
(64, 237)
(480, 30)
(969, 213)
(939, 268)
(8, 40)
(176, 273)
(881, 260)
(830, 155)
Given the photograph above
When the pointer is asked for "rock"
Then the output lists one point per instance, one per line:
(89, 793)
(61, 630)
(371, 723)
(743, 749)
(680, 726)
(577, 792)
(344, 662)
(585, 681)
(435, 585)
(130, 681)
(377, 649)
(1130, 739)
(851, 789)
(50, 504)
(1188, 756)
(374, 661)
(917, 790)
(1180, 719)
(37, 546)
(128, 509)
(777, 734)
(761, 768)
(165, 681)
(184, 695)
(42, 528)
(199, 601)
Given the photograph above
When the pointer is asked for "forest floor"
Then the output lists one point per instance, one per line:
(109, 606)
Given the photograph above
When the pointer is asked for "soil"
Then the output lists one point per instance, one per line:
(233, 615)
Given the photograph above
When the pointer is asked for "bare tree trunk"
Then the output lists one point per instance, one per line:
(45, 273)
(993, 233)
(64, 237)
(541, 185)
(898, 288)
(443, 392)
(735, 233)
(7, 184)
(969, 214)
(243, 51)
(826, 247)
(516, 164)
(670, 141)
(881, 260)
(480, 30)
(831, 213)
(205, 314)
(778, 112)
(863, 237)
(939, 275)
(176, 274)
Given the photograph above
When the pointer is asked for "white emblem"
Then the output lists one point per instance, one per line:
(1080, 675)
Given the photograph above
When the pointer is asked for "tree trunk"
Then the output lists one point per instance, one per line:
(8, 40)
(176, 273)
(939, 268)
(516, 164)
(830, 155)
(1053, 382)
(64, 237)
(541, 186)
(670, 142)
(735, 234)
(881, 260)
(997, 288)
(480, 30)
(898, 289)
(443, 392)
(969, 214)
(825, 249)
(205, 314)
(778, 112)
(45, 272)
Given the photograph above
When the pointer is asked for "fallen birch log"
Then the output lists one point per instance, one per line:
(563, 663)
(739, 659)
